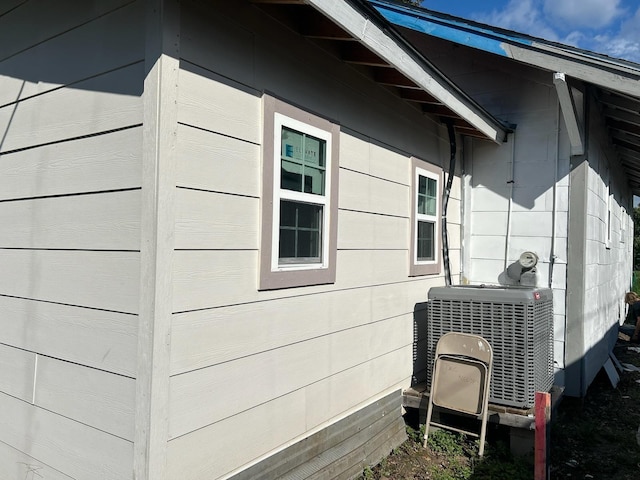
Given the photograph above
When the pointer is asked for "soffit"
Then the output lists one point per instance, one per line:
(311, 23)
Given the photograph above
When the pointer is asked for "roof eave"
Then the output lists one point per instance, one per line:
(380, 39)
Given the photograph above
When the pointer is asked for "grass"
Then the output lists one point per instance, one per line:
(449, 456)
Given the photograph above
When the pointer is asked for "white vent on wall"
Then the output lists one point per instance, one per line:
(516, 321)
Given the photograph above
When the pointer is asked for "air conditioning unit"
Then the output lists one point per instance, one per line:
(516, 321)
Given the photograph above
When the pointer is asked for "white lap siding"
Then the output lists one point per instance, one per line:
(70, 83)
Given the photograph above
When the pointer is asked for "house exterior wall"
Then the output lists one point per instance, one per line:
(276, 366)
(559, 205)
(608, 248)
(70, 114)
(517, 193)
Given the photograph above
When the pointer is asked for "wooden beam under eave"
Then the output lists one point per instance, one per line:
(627, 145)
(632, 155)
(618, 136)
(388, 76)
(419, 96)
(569, 113)
(471, 133)
(624, 126)
(623, 115)
(634, 174)
(353, 52)
(439, 110)
(619, 101)
(321, 28)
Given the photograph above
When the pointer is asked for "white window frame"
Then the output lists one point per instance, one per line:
(279, 194)
(271, 273)
(420, 172)
(425, 267)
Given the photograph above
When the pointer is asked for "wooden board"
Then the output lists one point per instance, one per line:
(208, 337)
(95, 398)
(19, 465)
(206, 220)
(214, 162)
(210, 102)
(67, 15)
(250, 381)
(95, 338)
(107, 43)
(93, 164)
(63, 444)
(301, 459)
(106, 102)
(106, 280)
(283, 420)
(17, 369)
(361, 230)
(106, 221)
(365, 193)
(207, 279)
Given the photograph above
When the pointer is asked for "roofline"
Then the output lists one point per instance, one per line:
(375, 32)
(614, 74)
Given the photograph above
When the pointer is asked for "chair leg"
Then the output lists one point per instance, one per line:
(428, 422)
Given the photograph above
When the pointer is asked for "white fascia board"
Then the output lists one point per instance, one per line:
(388, 49)
(569, 113)
(610, 76)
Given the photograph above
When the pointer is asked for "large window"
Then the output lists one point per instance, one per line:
(425, 219)
(299, 205)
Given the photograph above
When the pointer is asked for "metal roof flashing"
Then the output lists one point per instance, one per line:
(616, 82)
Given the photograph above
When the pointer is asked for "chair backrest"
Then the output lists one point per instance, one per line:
(461, 378)
(464, 344)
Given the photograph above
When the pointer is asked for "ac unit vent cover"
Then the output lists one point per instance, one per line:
(516, 321)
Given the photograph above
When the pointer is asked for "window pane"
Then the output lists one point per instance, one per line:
(300, 232)
(425, 241)
(303, 162)
(292, 144)
(314, 181)
(290, 176)
(427, 195)
(314, 151)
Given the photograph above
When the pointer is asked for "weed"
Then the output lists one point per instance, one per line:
(368, 474)
(446, 443)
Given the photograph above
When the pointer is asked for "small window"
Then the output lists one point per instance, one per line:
(425, 221)
(299, 213)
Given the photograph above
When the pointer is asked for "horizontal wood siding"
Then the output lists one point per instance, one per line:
(17, 370)
(16, 464)
(372, 426)
(284, 363)
(92, 164)
(283, 420)
(96, 338)
(61, 443)
(249, 381)
(71, 77)
(105, 221)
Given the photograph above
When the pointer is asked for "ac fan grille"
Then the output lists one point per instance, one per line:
(520, 333)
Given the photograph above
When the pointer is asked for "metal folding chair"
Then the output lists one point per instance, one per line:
(460, 381)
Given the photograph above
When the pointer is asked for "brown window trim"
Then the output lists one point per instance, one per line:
(435, 268)
(269, 279)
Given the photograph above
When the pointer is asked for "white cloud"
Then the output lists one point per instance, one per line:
(592, 14)
(631, 28)
(580, 23)
(625, 43)
(521, 16)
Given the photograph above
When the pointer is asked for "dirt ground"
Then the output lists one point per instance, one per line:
(591, 438)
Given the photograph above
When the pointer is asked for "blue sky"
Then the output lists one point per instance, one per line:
(611, 27)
